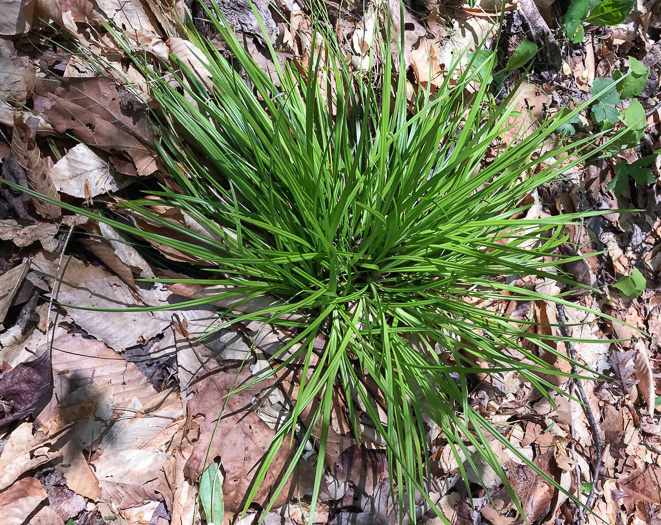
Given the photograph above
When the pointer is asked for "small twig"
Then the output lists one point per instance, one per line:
(57, 283)
(574, 455)
(653, 110)
(564, 330)
(650, 447)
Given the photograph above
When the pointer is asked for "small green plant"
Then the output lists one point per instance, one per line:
(632, 285)
(639, 170)
(210, 494)
(609, 93)
(601, 13)
(379, 227)
(523, 54)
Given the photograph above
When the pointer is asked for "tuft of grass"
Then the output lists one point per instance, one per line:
(380, 227)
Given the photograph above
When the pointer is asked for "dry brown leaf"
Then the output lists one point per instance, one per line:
(413, 30)
(7, 114)
(83, 403)
(357, 466)
(21, 500)
(65, 14)
(137, 22)
(126, 253)
(10, 281)
(23, 236)
(612, 502)
(27, 154)
(104, 251)
(94, 287)
(642, 486)
(131, 478)
(254, 305)
(535, 493)
(102, 377)
(531, 101)
(644, 375)
(241, 437)
(562, 457)
(99, 115)
(193, 58)
(185, 494)
(76, 470)
(626, 311)
(17, 79)
(16, 16)
(106, 402)
(426, 63)
(46, 516)
(23, 452)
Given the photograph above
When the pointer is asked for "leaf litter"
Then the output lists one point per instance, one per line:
(132, 446)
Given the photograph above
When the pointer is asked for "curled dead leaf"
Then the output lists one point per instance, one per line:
(27, 154)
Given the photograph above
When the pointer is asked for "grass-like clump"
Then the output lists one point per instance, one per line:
(379, 224)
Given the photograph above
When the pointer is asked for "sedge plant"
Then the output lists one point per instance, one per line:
(380, 226)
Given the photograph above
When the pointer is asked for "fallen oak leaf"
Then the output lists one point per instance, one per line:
(240, 438)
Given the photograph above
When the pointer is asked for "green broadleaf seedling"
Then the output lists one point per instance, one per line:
(640, 171)
(603, 13)
(604, 110)
(633, 285)
(211, 494)
(523, 54)
(632, 85)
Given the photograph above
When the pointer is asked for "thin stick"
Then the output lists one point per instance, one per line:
(57, 282)
(564, 330)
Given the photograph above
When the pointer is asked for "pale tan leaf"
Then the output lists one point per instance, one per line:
(185, 494)
(22, 452)
(108, 382)
(126, 253)
(104, 251)
(82, 173)
(21, 500)
(7, 113)
(76, 470)
(16, 16)
(644, 375)
(192, 57)
(46, 516)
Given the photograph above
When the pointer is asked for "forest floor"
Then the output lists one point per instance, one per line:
(110, 417)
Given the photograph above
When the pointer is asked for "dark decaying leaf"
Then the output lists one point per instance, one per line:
(361, 468)
(24, 388)
(579, 270)
(12, 171)
(623, 366)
